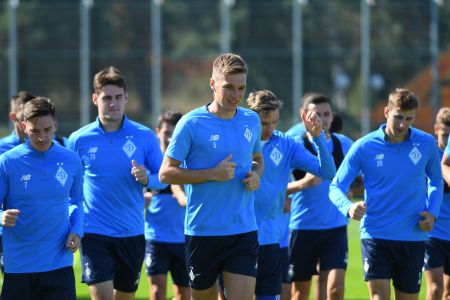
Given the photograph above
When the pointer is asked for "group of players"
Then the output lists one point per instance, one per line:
(233, 208)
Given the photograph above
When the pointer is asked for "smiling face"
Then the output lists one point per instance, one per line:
(398, 122)
(229, 90)
(40, 131)
(110, 102)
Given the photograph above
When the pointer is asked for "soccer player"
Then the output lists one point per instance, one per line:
(318, 242)
(41, 195)
(164, 228)
(437, 253)
(281, 154)
(399, 209)
(220, 147)
(120, 158)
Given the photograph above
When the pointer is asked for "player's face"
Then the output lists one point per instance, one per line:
(110, 103)
(442, 131)
(323, 110)
(228, 91)
(398, 122)
(269, 122)
(164, 134)
(40, 131)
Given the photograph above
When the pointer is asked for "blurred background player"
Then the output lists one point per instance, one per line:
(164, 228)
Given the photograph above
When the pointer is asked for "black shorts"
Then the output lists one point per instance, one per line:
(55, 284)
(208, 256)
(400, 260)
(268, 276)
(307, 248)
(284, 262)
(437, 254)
(107, 258)
(161, 258)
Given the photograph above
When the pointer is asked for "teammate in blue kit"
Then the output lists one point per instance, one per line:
(120, 157)
(220, 147)
(41, 194)
(437, 254)
(318, 230)
(281, 154)
(164, 229)
(399, 208)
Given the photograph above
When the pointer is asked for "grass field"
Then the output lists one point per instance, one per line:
(355, 287)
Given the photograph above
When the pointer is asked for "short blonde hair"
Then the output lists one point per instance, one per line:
(443, 116)
(402, 99)
(228, 63)
(263, 101)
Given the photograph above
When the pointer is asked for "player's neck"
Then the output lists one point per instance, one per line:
(220, 112)
(110, 126)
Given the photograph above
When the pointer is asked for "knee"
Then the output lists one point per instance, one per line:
(336, 292)
(435, 291)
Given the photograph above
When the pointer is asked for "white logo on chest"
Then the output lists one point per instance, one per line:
(248, 134)
(379, 159)
(61, 174)
(276, 156)
(129, 147)
(25, 178)
(415, 154)
(214, 139)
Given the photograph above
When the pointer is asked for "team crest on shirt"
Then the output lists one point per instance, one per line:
(248, 134)
(61, 174)
(276, 156)
(415, 154)
(129, 147)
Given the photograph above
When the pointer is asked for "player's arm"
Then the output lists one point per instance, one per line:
(8, 216)
(253, 178)
(172, 173)
(179, 194)
(308, 181)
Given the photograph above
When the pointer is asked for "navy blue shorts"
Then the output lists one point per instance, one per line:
(400, 260)
(207, 256)
(437, 254)
(284, 262)
(107, 258)
(268, 276)
(160, 258)
(55, 284)
(308, 248)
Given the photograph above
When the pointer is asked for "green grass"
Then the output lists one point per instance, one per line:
(355, 287)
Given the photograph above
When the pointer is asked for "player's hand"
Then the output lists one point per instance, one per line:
(357, 210)
(311, 180)
(139, 172)
(9, 217)
(251, 181)
(224, 170)
(73, 242)
(312, 123)
(427, 221)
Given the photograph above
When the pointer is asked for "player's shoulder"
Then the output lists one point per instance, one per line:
(418, 134)
(247, 115)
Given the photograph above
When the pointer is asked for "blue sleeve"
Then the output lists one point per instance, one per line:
(258, 145)
(180, 143)
(322, 166)
(153, 163)
(435, 182)
(3, 184)
(70, 144)
(349, 169)
(76, 210)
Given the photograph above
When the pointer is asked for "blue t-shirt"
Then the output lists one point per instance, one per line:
(283, 224)
(311, 208)
(114, 201)
(281, 154)
(164, 219)
(201, 140)
(441, 229)
(394, 176)
(46, 187)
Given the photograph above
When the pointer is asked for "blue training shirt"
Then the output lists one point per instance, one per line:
(164, 219)
(441, 229)
(201, 140)
(114, 201)
(394, 176)
(311, 208)
(46, 187)
(281, 154)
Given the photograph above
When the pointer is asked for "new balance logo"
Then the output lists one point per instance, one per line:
(379, 159)
(25, 179)
(214, 139)
(92, 150)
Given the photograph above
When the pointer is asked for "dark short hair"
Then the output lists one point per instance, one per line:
(39, 107)
(314, 98)
(170, 117)
(108, 76)
(19, 100)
